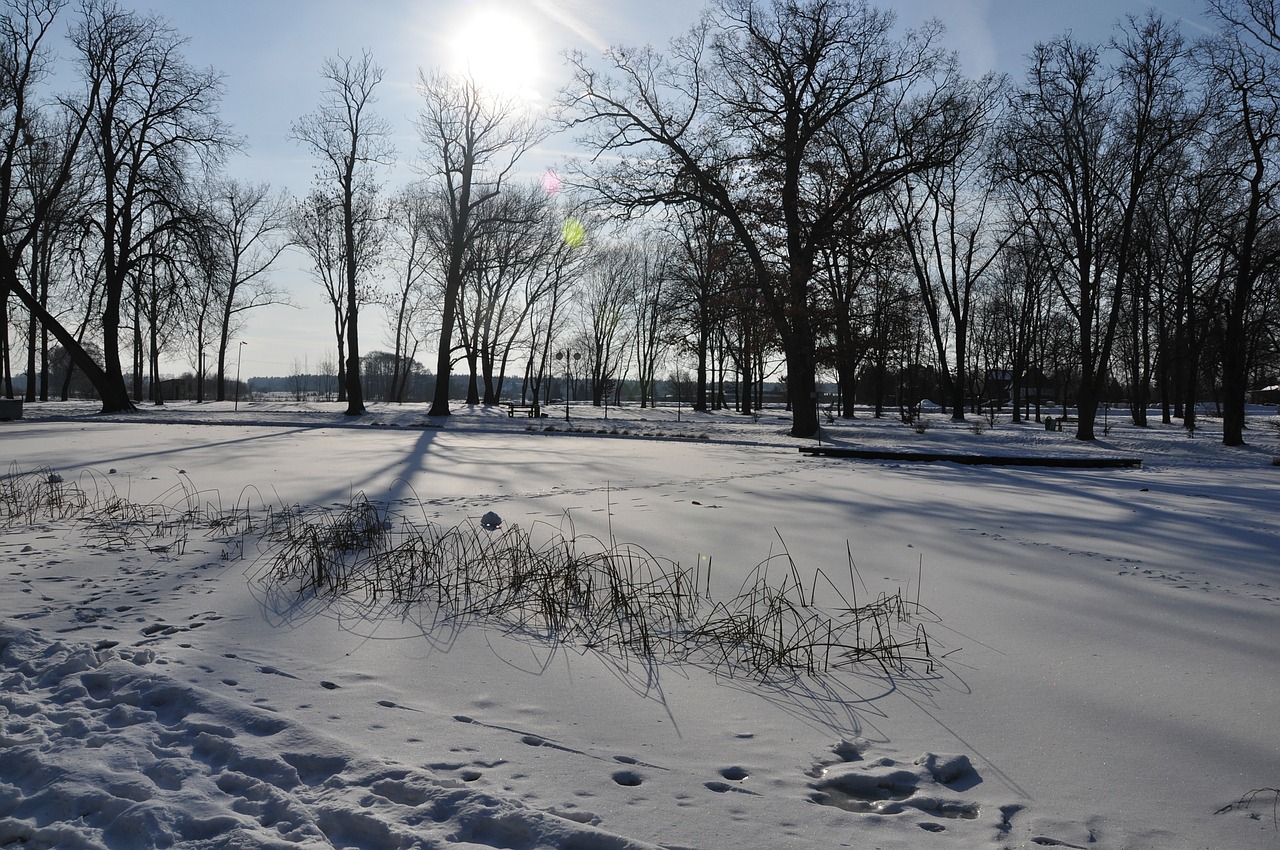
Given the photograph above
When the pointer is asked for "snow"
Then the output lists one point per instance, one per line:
(1103, 641)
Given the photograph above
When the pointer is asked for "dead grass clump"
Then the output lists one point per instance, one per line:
(547, 583)
(112, 521)
(560, 587)
(28, 498)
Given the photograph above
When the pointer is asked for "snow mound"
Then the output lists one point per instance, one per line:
(100, 750)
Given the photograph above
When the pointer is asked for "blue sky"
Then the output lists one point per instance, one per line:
(271, 52)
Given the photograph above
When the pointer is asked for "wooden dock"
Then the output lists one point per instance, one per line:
(978, 460)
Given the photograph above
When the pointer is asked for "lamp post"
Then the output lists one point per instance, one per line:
(239, 355)
(568, 357)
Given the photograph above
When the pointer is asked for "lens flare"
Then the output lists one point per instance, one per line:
(551, 183)
(573, 232)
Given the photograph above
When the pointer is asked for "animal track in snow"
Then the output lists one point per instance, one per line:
(1037, 544)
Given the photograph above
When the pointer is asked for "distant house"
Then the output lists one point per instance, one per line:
(1266, 395)
(1032, 388)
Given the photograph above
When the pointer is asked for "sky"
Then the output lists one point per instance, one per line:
(271, 52)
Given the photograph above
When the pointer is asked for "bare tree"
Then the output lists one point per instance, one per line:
(947, 218)
(867, 247)
(699, 265)
(23, 65)
(1159, 120)
(608, 290)
(203, 270)
(1081, 151)
(45, 139)
(350, 140)
(49, 253)
(150, 113)
(1017, 303)
(1243, 62)
(508, 272)
(158, 294)
(409, 244)
(548, 291)
(317, 229)
(652, 308)
(249, 222)
(472, 141)
(758, 113)
(1189, 219)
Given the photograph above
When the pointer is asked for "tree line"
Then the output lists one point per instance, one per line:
(793, 190)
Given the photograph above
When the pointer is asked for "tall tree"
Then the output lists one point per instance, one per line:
(350, 140)
(1243, 63)
(408, 238)
(203, 270)
(507, 274)
(53, 134)
(249, 221)
(868, 246)
(1081, 150)
(948, 218)
(1016, 303)
(699, 266)
(653, 308)
(757, 113)
(316, 227)
(547, 293)
(48, 253)
(1191, 216)
(607, 291)
(472, 141)
(150, 114)
(157, 294)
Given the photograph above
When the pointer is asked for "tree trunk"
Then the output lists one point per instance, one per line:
(111, 389)
(355, 392)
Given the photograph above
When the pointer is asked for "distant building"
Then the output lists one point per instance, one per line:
(1033, 387)
(1266, 395)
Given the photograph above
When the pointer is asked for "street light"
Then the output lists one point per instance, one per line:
(565, 356)
(239, 355)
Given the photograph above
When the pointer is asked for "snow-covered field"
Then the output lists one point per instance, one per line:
(1104, 642)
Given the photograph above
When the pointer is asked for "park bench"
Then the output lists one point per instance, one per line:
(530, 410)
(1055, 423)
(10, 409)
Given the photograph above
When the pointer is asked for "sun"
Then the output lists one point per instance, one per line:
(499, 50)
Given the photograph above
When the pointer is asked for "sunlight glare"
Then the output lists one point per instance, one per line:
(500, 52)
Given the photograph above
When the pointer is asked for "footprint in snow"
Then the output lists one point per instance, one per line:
(628, 778)
(386, 703)
(724, 787)
(885, 787)
(274, 671)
